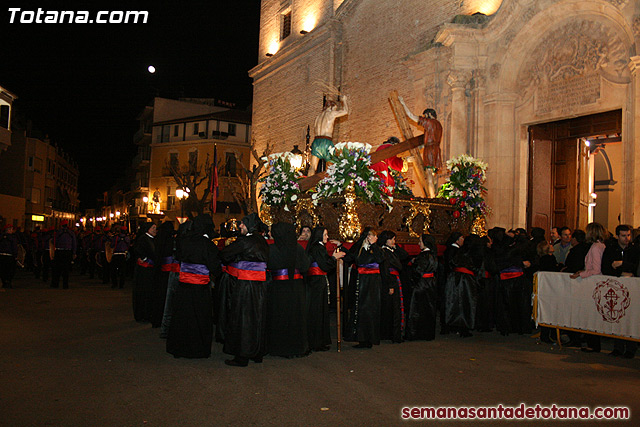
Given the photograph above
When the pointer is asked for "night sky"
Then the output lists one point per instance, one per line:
(84, 84)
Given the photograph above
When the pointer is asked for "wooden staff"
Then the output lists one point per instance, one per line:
(338, 305)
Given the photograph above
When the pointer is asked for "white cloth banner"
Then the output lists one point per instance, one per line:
(604, 304)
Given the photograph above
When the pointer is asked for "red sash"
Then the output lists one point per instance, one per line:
(510, 275)
(463, 270)
(366, 270)
(260, 276)
(286, 277)
(144, 263)
(193, 278)
(316, 271)
(427, 275)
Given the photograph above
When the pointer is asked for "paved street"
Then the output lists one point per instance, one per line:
(77, 358)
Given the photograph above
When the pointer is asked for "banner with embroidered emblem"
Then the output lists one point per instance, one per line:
(605, 305)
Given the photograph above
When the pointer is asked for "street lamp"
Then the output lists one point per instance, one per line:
(296, 159)
(182, 194)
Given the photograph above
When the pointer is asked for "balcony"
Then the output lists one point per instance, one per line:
(142, 137)
(142, 158)
(140, 185)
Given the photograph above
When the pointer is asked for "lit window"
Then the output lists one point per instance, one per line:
(285, 25)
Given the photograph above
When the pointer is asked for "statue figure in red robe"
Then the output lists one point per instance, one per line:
(384, 167)
(432, 135)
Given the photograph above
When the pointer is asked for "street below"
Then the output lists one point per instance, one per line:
(76, 357)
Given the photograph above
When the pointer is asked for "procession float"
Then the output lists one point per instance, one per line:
(363, 188)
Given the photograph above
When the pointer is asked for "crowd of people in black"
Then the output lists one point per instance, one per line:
(51, 253)
(263, 293)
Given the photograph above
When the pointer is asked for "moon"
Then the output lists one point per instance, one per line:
(151, 69)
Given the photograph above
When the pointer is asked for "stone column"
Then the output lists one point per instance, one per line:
(500, 151)
(477, 115)
(631, 209)
(458, 140)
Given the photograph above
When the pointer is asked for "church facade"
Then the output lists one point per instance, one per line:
(546, 92)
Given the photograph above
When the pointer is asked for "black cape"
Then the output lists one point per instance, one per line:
(242, 313)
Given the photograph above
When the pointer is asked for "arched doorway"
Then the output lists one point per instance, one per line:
(569, 180)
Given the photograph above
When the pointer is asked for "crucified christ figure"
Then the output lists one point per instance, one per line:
(323, 141)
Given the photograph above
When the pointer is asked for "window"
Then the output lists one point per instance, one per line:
(165, 133)
(285, 25)
(171, 198)
(30, 163)
(231, 129)
(196, 128)
(35, 195)
(4, 116)
(175, 130)
(193, 159)
(173, 160)
(230, 164)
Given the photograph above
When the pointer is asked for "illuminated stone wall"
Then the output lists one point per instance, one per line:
(489, 78)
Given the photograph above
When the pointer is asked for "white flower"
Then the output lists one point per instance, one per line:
(294, 198)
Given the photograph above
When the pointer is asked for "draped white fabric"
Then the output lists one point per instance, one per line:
(604, 304)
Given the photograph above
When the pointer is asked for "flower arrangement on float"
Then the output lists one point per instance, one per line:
(280, 187)
(350, 171)
(401, 187)
(465, 188)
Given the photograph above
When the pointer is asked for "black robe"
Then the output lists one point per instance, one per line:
(144, 251)
(513, 307)
(461, 293)
(575, 258)
(191, 330)
(487, 285)
(318, 322)
(392, 308)
(287, 306)
(364, 324)
(242, 314)
(421, 324)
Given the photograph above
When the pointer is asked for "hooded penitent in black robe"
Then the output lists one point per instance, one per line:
(191, 329)
(242, 317)
(165, 263)
(487, 283)
(144, 251)
(364, 325)
(392, 309)
(318, 296)
(286, 295)
(513, 307)
(421, 324)
(461, 290)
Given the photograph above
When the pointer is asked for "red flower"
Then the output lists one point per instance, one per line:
(452, 200)
(462, 203)
(464, 194)
(456, 214)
